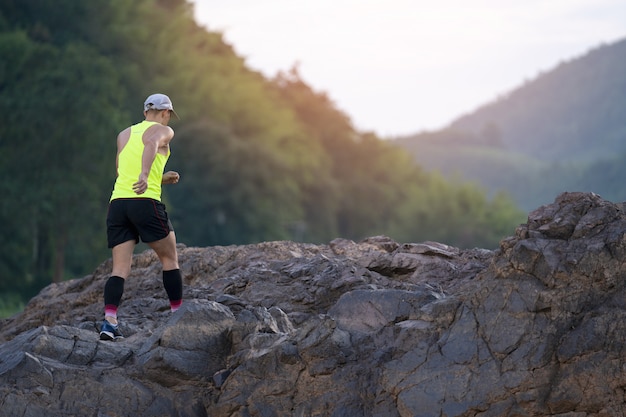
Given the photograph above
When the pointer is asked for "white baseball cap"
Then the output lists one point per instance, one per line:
(159, 102)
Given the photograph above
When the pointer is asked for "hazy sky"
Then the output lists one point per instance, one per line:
(402, 66)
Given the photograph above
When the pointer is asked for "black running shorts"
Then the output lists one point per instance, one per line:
(134, 218)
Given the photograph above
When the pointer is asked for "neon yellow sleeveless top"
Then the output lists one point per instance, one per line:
(129, 167)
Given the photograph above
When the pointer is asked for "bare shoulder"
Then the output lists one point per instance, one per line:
(123, 136)
(158, 133)
(169, 132)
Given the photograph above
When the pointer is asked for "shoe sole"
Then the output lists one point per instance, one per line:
(109, 336)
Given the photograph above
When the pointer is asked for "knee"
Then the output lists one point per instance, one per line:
(169, 262)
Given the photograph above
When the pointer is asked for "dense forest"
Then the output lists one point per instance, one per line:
(260, 159)
(562, 131)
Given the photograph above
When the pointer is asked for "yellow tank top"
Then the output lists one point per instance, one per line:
(129, 167)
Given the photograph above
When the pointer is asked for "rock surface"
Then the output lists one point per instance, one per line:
(374, 328)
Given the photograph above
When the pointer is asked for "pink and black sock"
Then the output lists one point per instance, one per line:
(173, 284)
(113, 290)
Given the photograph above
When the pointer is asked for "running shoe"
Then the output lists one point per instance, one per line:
(109, 331)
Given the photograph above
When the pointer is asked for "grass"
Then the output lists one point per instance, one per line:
(10, 304)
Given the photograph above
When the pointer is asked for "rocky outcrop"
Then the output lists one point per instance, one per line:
(374, 328)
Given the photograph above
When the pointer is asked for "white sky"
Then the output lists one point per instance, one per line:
(398, 67)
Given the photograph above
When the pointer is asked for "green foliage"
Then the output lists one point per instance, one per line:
(458, 214)
(55, 151)
(605, 177)
(259, 159)
(233, 191)
(10, 304)
(529, 181)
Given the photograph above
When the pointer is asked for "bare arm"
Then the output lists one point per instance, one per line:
(156, 139)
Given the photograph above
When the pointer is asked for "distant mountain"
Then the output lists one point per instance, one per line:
(554, 133)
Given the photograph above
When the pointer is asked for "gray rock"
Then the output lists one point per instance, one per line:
(371, 328)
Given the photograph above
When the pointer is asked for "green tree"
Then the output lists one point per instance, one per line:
(260, 159)
(56, 143)
(231, 191)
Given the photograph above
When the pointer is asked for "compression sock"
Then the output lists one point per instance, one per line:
(173, 284)
(113, 290)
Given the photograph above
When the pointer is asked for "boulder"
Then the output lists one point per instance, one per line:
(370, 328)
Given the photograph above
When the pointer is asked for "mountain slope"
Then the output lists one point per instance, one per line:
(552, 134)
(575, 111)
